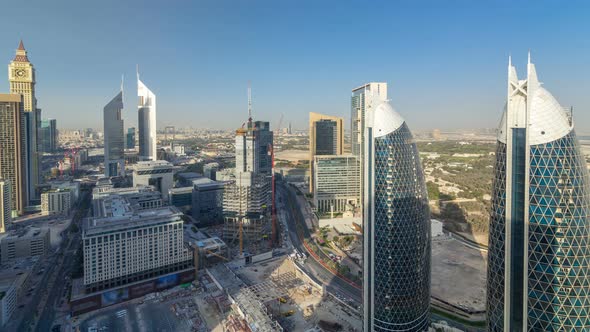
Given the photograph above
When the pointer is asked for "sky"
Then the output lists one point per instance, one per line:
(444, 61)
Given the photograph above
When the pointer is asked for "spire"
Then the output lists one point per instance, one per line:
(122, 81)
(529, 59)
(137, 71)
(21, 53)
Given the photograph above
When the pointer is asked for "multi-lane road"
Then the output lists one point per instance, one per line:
(295, 220)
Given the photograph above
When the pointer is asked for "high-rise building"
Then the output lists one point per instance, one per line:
(5, 209)
(146, 110)
(48, 135)
(157, 173)
(326, 137)
(396, 226)
(130, 138)
(539, 248)
(114, 147)
(21, 75)
(13, 158)
(362, 99)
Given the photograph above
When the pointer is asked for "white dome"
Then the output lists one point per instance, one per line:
(385, 119)
(547, 119)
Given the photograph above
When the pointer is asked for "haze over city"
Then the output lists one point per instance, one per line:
(444, 61)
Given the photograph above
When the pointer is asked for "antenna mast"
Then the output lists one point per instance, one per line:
(249, 102)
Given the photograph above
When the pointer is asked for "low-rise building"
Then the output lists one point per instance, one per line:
(56, 201)
(24, 243)
(157, 173)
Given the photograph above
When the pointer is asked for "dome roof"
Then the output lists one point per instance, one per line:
(385, 119)
(548, 120)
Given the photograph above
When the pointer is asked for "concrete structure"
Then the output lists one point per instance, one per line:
(13, 157)
(397, 251)
(5, 208)
(539, 249)
(15, 279)
(57, 201)
(207, 201)
(363, 98)
(146, 110)
(21, 76)
(185, 179)
(24, 243)
(48, 135)
(210, 170)
(336, 183)
(158, 173)
(114, 157)
(130, 138)
(132, 246)
(326, 137)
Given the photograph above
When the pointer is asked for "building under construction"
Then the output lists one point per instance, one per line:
(247, 197)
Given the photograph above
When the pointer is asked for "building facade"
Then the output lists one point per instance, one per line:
(13, 158)
(336, 183)
(539, 249)
(129, 248)
(396, 226)
(114, 148)
(48, 135)
(5, 205)
(159, 174)
(146, 110)
(326, 137)
(207, 201)
(21, 76)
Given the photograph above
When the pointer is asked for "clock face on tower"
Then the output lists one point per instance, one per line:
(20, 73)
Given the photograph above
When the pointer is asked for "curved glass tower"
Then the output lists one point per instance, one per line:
(539, 253)
(396, 227)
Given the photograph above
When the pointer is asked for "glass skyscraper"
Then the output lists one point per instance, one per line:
(539, 253)
(396, 226)
(114, 141)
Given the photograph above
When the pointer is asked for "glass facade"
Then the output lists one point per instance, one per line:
(399, 236)
(557, 247)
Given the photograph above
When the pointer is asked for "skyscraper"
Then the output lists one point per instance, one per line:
(21, 75)
(539, 244)
(5, 209)
(326, 137)
(114, 158)
(12, 150)
(146, 110)
(362, 99)
(396, 226)
(48, 135)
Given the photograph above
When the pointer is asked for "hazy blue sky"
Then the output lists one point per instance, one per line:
(445, 61)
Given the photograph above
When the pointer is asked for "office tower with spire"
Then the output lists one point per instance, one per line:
(396, 228)
(21, 75)
(146, 111)
(114, 140)
(13, 150)
(539, 244)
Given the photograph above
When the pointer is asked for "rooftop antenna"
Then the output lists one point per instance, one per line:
(137, 71)
(122, 81)
(249, 102)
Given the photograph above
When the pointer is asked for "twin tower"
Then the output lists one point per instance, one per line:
(539, 243)
(114, 139)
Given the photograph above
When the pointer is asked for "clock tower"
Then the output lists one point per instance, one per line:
(21, 75)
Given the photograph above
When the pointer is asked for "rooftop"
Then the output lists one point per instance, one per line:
(137, 219)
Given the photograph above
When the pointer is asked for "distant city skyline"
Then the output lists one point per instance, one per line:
(443, 62)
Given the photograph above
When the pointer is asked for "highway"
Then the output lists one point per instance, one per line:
(294, 218)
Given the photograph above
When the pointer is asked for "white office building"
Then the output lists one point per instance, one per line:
(57, 201)
(336, 183)
(146, 110)
(157, 173)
